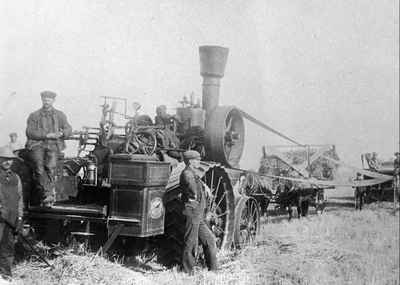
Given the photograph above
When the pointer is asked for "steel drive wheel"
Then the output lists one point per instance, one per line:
(247, 222)
(170, 244)
(220, 213)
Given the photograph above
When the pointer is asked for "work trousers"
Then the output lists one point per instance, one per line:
(359, 195)
(45, 161)
(197, 230)
(6, 250)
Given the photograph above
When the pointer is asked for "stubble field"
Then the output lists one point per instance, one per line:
(341, 246)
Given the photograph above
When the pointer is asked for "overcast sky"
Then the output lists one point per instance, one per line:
(318, 71)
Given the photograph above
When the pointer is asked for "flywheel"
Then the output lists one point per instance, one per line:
(224, 136)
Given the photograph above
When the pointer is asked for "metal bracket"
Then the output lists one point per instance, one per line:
(111, 239)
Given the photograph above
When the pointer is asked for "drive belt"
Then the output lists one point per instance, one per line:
(268, 128)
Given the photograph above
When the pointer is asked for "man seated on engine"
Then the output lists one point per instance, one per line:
(166, 121)
(162, 117)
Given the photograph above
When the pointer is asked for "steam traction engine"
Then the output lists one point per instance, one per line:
(124, 183)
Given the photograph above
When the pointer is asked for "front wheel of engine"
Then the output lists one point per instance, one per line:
(247, 222)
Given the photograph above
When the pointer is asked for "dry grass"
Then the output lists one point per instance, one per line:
(339, 247)
(78, 269)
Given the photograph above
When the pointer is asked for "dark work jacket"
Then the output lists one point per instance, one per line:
(11, 201)
(191, 185)
(165, 120)
(42, 122)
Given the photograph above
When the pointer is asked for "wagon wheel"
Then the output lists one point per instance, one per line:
(220, 206)
(143, 142)
(247, 223)
(170, 245)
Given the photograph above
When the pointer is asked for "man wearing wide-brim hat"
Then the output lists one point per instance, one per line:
(194, 199)
(11, 209)
(46, 130)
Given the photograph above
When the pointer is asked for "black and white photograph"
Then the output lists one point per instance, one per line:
(199, 142)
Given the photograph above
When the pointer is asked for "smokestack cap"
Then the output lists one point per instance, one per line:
(213, 60)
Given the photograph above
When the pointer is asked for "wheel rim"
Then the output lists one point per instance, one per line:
(220, 207)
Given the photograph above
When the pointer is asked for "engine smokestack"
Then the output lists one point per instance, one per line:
(212, 66)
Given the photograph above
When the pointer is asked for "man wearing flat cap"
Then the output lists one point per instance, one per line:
(11, 209)
(194, 198)
(46, 130)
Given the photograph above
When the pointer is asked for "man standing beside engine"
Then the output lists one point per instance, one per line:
(11, 210)
(46, 130)
(196, 229)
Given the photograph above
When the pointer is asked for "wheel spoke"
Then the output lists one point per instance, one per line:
(223, 214)
(219, 182)
(251, 237)
(216, 192)
(249, 210)
(222, 198)
(212, 179)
